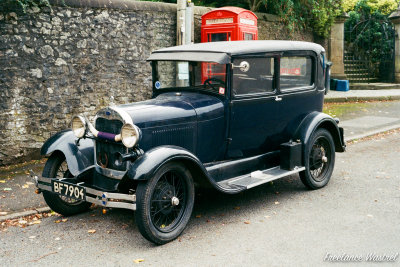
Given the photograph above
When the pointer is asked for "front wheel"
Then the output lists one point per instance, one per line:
(56, 167)
(165, 203)
(319, 160)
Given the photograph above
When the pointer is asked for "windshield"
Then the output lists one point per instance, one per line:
(190, 75)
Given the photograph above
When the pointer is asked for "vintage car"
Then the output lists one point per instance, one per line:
(227, 115)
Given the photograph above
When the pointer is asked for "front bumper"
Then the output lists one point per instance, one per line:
(101, 198)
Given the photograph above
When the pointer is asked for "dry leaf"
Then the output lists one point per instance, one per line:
(91, 231)
(198, 216)
(25, 186)
(57, 221)
(2, 181)
(36, 222)
(138, 260)
(247, 222)
(64, 220)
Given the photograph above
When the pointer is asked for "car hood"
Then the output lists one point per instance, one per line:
(174, 108)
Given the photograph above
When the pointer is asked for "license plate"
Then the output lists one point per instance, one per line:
(68, 190)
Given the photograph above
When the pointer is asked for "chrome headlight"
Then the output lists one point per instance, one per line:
(78, 126)
(130, 135)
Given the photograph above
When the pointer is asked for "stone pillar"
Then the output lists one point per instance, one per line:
(395, 18)
(336, 47)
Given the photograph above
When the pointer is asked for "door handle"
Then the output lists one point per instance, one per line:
(277, 98)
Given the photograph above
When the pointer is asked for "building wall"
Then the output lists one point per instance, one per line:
(80, 57)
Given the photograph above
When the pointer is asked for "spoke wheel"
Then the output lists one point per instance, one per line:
(319, 159)
(56, 167)
(165, 203)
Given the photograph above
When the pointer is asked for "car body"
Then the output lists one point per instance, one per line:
(230, 115)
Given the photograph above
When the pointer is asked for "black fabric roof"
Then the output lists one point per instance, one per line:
(221, 52)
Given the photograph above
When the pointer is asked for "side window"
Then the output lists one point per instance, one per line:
(296, 72)
(256, 77)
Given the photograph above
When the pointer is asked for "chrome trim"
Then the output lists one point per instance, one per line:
(104, 199)
(121, 205)
(124, 115)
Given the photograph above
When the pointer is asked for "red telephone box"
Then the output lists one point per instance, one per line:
(226, 24)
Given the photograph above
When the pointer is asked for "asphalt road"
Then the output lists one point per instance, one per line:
(286, 225)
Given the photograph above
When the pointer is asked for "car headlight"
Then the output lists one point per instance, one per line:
(78, 126)
(130, 135)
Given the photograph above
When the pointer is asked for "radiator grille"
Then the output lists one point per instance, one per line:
(105, 151)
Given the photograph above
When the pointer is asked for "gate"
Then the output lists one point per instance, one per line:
(369, 54)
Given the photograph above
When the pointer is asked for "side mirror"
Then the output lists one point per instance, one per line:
(244, 66)
(328, 76)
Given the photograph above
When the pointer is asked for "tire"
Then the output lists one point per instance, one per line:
(56, 167)
(319, 160)
(159, 216)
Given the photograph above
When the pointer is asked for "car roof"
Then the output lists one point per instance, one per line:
(221, 52)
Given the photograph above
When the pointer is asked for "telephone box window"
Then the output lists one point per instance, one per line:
(248, 36)
(219, 37)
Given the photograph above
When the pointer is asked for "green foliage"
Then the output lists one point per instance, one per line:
(369, 34)
(296, 14)
(25, 4)
(316, 14)
(385, 7)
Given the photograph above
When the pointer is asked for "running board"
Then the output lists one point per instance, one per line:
(261, 177)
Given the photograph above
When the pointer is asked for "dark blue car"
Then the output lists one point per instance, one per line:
(231, 115)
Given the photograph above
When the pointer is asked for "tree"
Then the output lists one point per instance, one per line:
(316, 14)
(255, 5)
(385, 7)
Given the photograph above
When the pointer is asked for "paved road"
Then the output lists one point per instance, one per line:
(357, 213)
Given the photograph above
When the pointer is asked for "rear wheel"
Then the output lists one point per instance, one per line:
(319, 160)
(56, 167)
(165, 203)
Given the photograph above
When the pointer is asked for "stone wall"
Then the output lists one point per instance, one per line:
(76, 59)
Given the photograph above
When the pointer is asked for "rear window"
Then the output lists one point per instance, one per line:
(296, 72)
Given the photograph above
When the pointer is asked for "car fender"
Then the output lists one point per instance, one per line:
(78, 157)
(316, 120)
(146, 166)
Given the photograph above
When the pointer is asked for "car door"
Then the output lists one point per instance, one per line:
(253, 106)
(299, 93)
